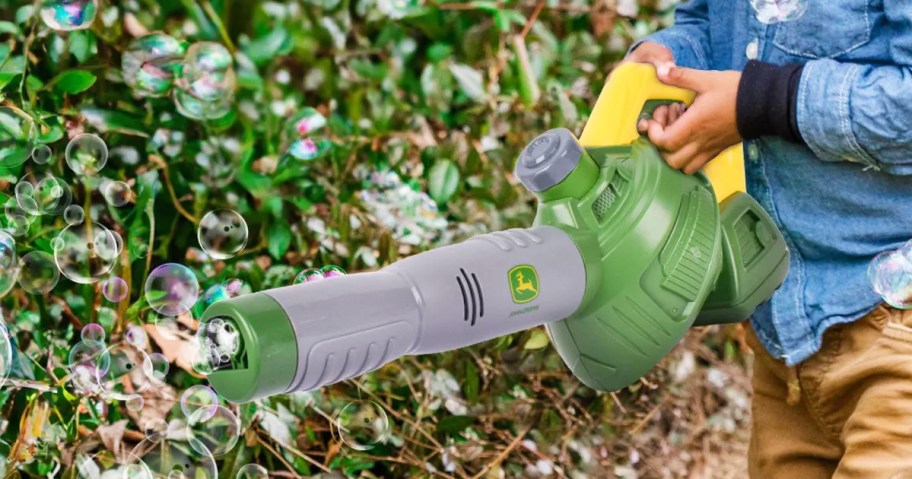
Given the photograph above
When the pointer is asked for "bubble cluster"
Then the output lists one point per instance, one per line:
(252, 471)
(362, 425)
(38, 273)
(412, 215)
(42, 195)
(115, 289)
(9, 264)
(150, 64)
(222, 233)
(171, 459)
(17, 135)
(125, 377)
(86, 154)
(117, 193)
(171, 289)
(225, 290)
(778, 11)
(218, 343)
(68, 15)
(311, 275)
(890, 275)
(42, 154)
(206, 84)
(88, 252)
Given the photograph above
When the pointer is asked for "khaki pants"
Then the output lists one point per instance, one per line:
(844, 413)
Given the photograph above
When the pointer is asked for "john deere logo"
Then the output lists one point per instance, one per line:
(523, 283)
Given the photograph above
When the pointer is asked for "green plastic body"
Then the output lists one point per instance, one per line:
(660, 252)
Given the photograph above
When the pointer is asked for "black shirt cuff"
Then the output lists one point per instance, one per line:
(767, 101)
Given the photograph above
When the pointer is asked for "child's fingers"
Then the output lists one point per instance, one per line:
(675, 112)
(697, 162)
(661, 115)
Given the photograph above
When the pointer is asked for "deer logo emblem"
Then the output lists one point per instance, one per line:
(523, 283)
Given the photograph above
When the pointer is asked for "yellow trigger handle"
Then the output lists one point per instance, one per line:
(620, 104)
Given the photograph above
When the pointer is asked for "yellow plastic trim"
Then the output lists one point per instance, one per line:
(613, 121)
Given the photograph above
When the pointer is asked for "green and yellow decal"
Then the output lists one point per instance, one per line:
(523, 283)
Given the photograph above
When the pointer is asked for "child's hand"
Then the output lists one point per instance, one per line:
(655, 54)
(689, 138)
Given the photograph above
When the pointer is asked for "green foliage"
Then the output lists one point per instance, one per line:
(441, 96)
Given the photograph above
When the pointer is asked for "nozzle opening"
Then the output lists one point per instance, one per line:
(221, 345)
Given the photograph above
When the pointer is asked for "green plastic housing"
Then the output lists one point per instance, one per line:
(661, 255)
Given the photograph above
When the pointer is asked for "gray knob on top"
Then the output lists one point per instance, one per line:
(548, 159)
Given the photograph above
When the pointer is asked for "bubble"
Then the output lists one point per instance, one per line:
(89, 252)
(6, 354)
(136, 336)
(890, 275)
(778, 11)
(252, 471)
(84, 379)
(135, 403)
(125, 376)
(42, 195)
(171, 459)
(68, 15)
(218, 342)
(17, 135)
(206, 84)
(93, 332)
(150, 64)
(157, 366)
(171, 289)
(166, 326)
(225, 290)
(396, 9)
(309, 275)
(308, 149)
(38, 273)
(222, 233)
(218, 432)
(42, 154)
(100, 466)
(86, 154)
(117, 193)
(18, 220)
(309, 121)
(9, 264)
(363, 425)
(115, 289)
(91, 354)
(199, 402)
(73, 215)
(332, 271)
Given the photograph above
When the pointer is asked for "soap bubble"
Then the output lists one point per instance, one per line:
(42, 195)
(73, 215)
(150, 63)
(332, 271)
(117, 193)
(222, 233)
(171, 459)
(9, 264)
(218, 342)
(218, 432)
(135, 403)
(252, 471)
(890, 275)
(205, 87)
(125, 376)
(91, 354)
(778, 11)
(38, 273)
(225, 290)
(101, 466)
(363, 425)
(93, 332)
(42, 154)
(136, 336)
(309, 121)
(18, 220)
(86, 154)
(68, 15)
(156, 366)
(309, 275)
(89, 252)
(308, 149)
(17, 135)
(115, 289)
(396, 9)
(199, 401)
(172, 289)
(6, 354)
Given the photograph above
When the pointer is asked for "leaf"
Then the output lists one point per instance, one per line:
(278, 239)
(471, 384)
(470, 81)
(73, 81)
(537, 340)
(275, 428)
(528, 84)
(276, 42)
(451, 425)
(114, 121)
(443, 180)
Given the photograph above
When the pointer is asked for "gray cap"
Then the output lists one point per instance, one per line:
(548, 159)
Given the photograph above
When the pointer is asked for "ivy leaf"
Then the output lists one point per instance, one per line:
(443, 180)
(276, 42)
(73, 81)
(470, 81)
(278, 238)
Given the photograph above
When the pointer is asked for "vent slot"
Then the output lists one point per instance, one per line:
(609, 197)
(472, 296)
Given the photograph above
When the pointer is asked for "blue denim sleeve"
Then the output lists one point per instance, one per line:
(688, 38)
(862, 112)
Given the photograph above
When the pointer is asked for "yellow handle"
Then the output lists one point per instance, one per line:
(614, 117)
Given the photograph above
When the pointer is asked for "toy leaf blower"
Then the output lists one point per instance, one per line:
(626, 254)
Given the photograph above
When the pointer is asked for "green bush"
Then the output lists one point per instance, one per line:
(426, 105)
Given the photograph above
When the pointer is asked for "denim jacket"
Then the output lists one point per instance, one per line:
(847, 195)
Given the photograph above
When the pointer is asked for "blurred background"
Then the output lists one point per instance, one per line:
(209, 148)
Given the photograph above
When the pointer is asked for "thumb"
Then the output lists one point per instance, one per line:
(687, 78)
